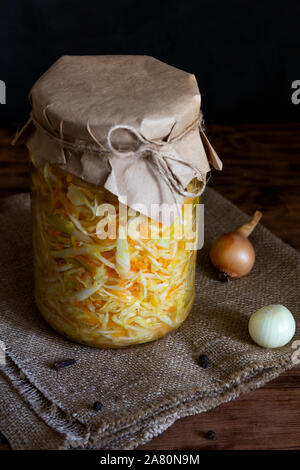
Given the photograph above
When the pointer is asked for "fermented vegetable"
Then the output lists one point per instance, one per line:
(104, 291)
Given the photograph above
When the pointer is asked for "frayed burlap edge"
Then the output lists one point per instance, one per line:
(130, 431)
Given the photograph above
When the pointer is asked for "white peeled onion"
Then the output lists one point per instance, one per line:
(272, 326)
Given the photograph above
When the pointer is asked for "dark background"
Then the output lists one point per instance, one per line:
(245, 54)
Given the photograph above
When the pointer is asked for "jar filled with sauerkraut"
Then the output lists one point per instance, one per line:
(113, 140)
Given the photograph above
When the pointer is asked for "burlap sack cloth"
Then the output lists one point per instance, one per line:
(145, 388)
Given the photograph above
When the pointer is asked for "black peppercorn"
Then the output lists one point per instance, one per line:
(223, 277)
(210, 435)
(97, 405)
(203, 361)
(66, 363)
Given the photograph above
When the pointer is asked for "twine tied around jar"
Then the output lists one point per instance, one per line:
(161, 153)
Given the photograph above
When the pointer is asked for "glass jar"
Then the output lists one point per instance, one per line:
(131, 287)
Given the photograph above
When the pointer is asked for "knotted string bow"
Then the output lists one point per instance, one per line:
(160, 153)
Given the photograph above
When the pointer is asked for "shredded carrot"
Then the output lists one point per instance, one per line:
(171, 291)
(92, 320)
(54, 195)
(110, 272)
(53, 233)
(137, 265)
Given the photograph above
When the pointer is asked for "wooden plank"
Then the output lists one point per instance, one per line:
(4, 446)
(268, 418)
(3, 443)
(261, 171)
(14, 165)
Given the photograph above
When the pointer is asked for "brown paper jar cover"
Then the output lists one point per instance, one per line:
(80, 99)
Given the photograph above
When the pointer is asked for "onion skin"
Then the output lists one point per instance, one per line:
(233, 254)
(272, 326)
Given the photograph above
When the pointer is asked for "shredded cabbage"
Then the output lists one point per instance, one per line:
(104, 292)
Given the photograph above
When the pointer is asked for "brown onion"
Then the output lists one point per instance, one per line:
(232, 253)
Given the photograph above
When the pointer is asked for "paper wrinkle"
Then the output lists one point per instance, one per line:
(79, 99)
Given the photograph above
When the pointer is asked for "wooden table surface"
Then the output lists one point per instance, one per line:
(261, 171)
